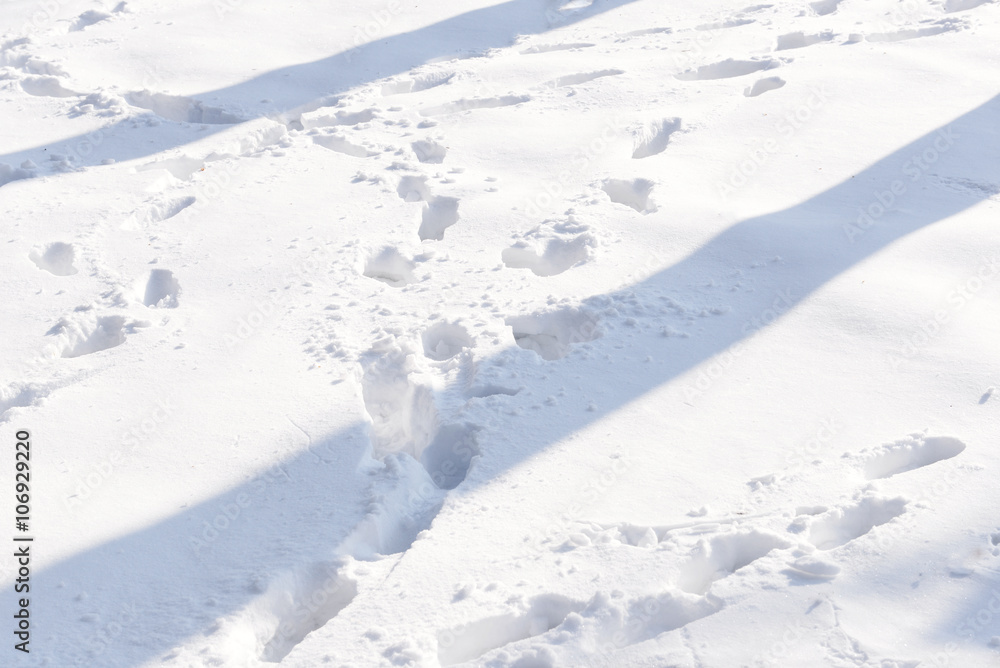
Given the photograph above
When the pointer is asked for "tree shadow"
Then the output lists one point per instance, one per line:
(179, 589)
(308, 86)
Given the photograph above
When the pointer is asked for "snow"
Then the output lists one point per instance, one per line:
(524, 334)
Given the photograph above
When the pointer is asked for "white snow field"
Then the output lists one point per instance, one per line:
(521, 333)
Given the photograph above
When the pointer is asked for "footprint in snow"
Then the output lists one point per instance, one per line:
(727, 69)
(581, 78)
(46, 86)
(466, 104)
(340, 144)
(943, 26)
(413, 189)
(162, 208)
(326, 117)
(952, 6)
(552, 334)
(439, 213)
(391, 267)
(443, 340)
(160, 289)
(474, 639)
(551, 248)
(652, 138)
(416, 84)
(403, 415)
(840, 526)
(180, 109)
(723, 555)
(763, 86)
(825, 7)
(182, 167)
(643, 32)
(429, 152)
(799, 40)
(554, 257)
(633, 193)
(86, 334)
(298, 603)
(89, 18)
(735, 22)
(548, 48)
(8, 173)
(22, 395)
(910, 453)
(57, 259)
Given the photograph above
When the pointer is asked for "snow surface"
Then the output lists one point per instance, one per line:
(524, 334)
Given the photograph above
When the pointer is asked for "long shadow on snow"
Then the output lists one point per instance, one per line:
(305, 86)
(170, 585)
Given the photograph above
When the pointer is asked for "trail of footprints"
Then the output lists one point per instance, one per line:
(422, 458)
(42, 78)
(128, 305)
(549, 249)
(108, 321)
(426, 451)
(709, 552)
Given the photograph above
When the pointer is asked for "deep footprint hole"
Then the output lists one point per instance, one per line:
(473, 640)
(390, 267)
(161, 290)
(552, 335)
(448, 457)
(302, 603)
(438, 215)
(57, 259)
(634, 193)
(444, 340)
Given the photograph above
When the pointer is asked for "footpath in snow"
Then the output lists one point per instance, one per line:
(521, 334)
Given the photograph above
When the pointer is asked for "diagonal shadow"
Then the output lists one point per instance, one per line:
(306, 86)
(937, 176)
